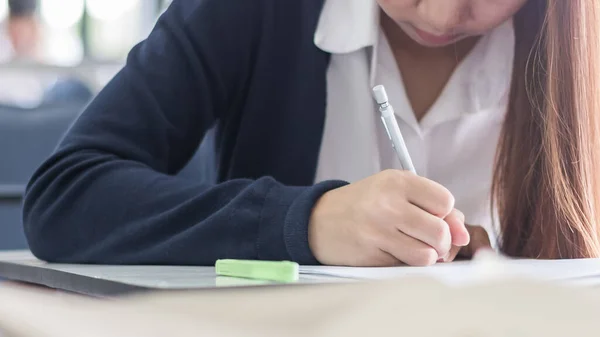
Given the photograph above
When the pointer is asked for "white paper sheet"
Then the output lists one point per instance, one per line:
(564, 271)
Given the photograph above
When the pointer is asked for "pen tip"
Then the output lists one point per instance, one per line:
(380, 95)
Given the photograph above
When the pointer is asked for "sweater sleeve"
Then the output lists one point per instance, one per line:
(109, 195)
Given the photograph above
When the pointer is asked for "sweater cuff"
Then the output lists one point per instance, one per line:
(283, 230)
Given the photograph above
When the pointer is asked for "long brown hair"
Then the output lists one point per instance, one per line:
(547, 174)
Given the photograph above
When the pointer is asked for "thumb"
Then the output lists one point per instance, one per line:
(458, 230)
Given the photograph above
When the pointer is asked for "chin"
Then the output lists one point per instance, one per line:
(427, 39)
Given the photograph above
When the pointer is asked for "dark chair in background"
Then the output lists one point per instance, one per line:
(202, 166)
(69, 91)
(27, 138)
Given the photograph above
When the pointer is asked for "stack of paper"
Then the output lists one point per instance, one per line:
(585, 271)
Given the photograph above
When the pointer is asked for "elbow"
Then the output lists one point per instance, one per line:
(44, 225)
(37, 226)
(47, 237)
(45, 250)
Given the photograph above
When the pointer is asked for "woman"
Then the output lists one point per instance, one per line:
(298, 164)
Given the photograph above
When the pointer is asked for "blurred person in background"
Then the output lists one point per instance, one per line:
(22, 41)
(22, 30)
(19, 38)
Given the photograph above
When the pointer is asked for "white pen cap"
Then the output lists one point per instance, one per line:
(380, 95)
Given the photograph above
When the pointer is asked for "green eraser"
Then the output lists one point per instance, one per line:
(278, 271)
(228, 282)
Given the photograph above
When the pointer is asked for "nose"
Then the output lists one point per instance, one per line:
(444, 16)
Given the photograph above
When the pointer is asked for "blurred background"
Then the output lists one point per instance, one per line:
(42, 40)
(55, 55)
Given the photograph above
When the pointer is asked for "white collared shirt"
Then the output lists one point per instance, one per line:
(454, 144)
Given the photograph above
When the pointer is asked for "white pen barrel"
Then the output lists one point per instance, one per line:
(392, 128)
(399, 144)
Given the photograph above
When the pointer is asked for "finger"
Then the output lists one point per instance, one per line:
(408, 250)
(384, 259)
(374, 257)
(426, 228)
(452, 254)
(458, 231)
(429, 196)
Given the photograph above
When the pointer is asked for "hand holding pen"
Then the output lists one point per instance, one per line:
(393, 217)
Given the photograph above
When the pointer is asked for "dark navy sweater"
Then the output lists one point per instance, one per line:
(248, 72)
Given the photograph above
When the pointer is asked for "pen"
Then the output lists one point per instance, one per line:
(392, 129)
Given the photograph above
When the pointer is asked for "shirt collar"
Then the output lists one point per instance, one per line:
(346, 26)
(481, 82)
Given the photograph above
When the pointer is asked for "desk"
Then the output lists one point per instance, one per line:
(103, 280)
(106, 280)
(405, 307)
(376, 308)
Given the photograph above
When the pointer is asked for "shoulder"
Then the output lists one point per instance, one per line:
(243, 16)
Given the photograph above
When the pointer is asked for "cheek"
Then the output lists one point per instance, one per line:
(488, 14)
(399, 10)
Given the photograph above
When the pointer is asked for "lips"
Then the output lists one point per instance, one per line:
(436, 39)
